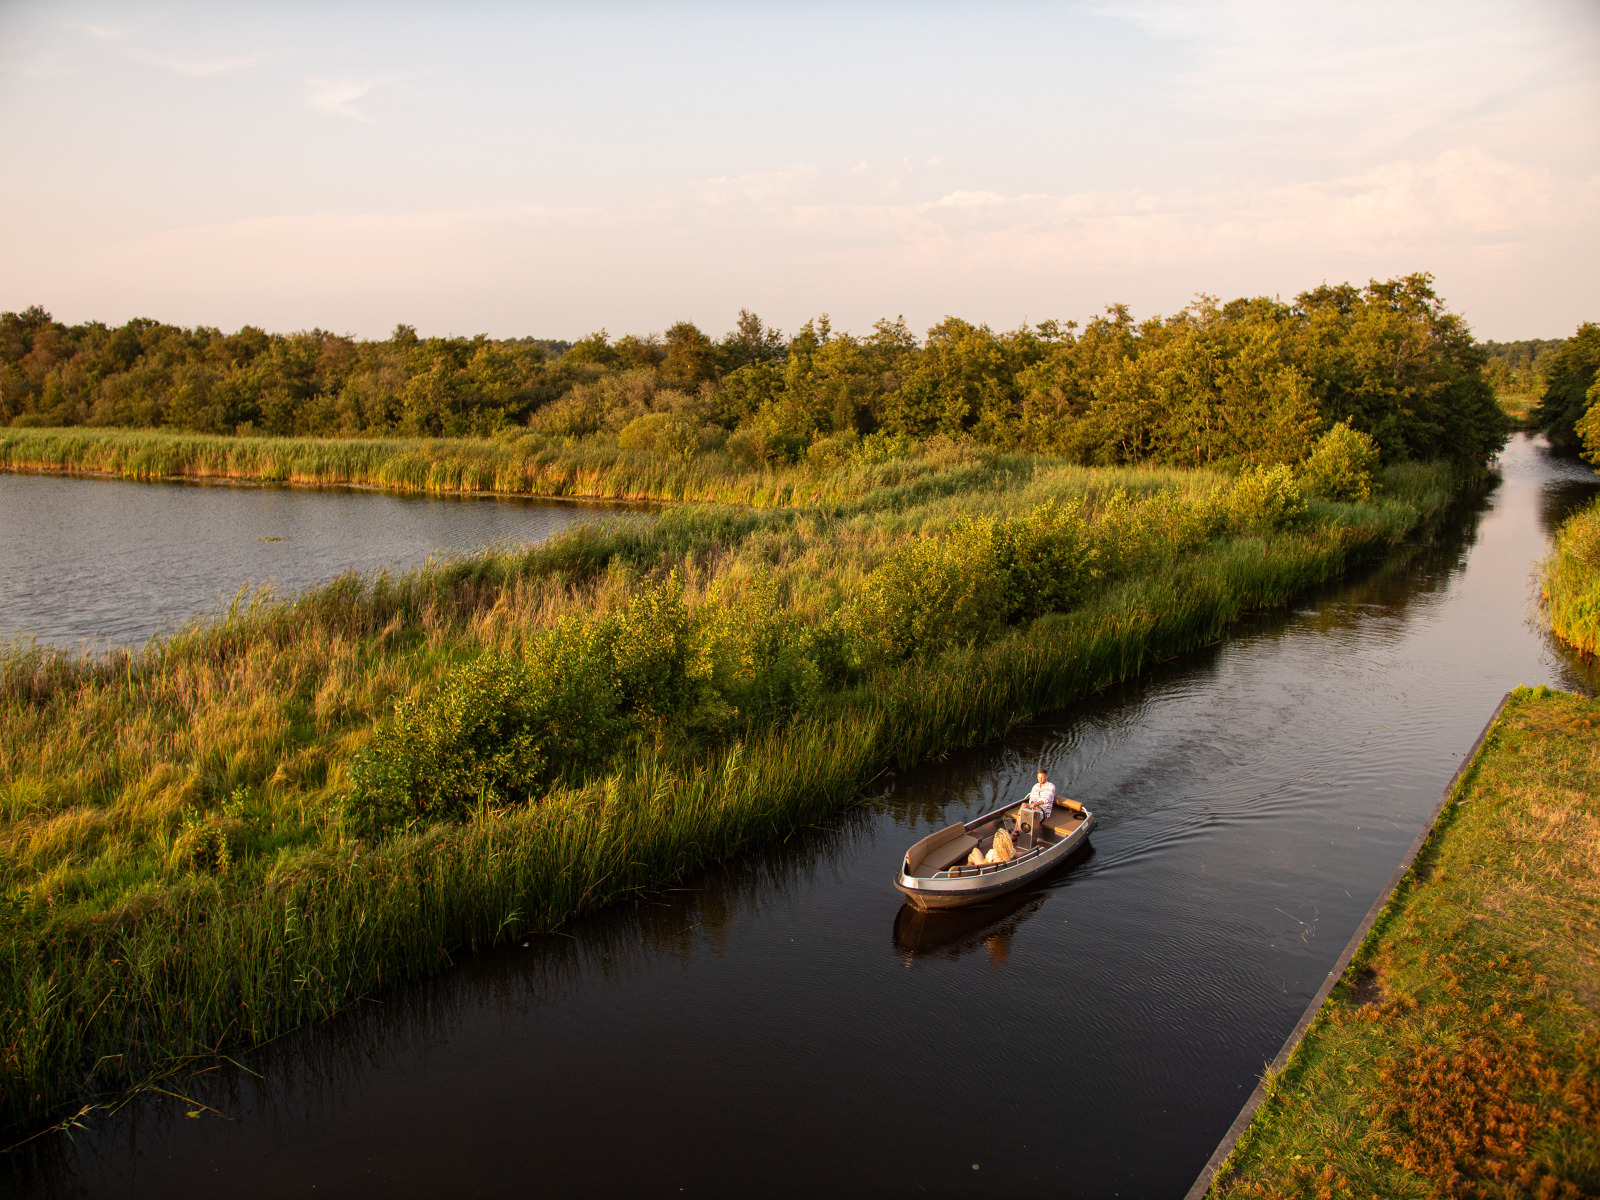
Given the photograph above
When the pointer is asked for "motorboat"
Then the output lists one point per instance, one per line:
(939, 871)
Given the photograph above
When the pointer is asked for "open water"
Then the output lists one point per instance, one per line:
(94, 562)
(782, 1026)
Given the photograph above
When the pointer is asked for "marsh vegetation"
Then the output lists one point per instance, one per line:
(243, 826)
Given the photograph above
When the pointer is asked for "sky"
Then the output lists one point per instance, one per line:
(553, 169)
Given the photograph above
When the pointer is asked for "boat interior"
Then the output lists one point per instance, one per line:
(947, 851)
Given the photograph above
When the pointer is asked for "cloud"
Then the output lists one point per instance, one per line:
(338, 96)
(802, 215)
(793, 242)
(206, 69)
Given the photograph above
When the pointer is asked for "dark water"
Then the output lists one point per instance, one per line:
(783, 1027)
(97, 561)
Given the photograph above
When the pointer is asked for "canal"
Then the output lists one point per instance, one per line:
(782, 1026)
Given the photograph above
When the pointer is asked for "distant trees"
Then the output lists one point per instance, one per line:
(1251, 381)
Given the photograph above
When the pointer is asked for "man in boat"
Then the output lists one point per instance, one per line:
(1043, 796)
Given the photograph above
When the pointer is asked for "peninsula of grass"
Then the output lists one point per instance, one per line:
(248, 824)
(1460, 1054)
(517, 463)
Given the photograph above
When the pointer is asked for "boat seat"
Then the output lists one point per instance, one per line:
(945, 855)
(1063, 821)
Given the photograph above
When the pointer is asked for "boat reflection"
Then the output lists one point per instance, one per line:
(953, 932)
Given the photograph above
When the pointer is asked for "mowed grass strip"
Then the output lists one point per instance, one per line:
(1460, 1055)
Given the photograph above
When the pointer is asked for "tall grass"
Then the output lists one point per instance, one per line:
(184, 865)
(1570, 581)
(518, 463)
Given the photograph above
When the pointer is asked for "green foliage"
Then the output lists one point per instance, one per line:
(1570, 372)
(930, 594)
(670, 435)
(247, 825)
(1570, 581)
(1517, 372)
(471, 743)
(1340, 467)
(1046, 561)
(1238, 384)
(1265, 498)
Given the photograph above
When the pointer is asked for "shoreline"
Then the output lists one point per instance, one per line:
(1447, 1047)
(1217, 1167)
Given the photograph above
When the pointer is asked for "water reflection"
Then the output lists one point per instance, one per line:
(757, 1031)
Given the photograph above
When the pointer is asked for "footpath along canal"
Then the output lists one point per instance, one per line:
(781, 1026)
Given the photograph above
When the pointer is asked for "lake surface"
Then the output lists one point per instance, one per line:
(97, 560)
(782, 1026)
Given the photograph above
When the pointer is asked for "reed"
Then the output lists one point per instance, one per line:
(1460, 1054)
(183, 866)
(1570, 581)
(515, 464)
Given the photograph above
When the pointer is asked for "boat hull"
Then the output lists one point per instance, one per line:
(933, 894)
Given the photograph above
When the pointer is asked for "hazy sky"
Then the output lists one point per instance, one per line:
(551, 169)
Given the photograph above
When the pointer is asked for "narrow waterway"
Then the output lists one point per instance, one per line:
(101, 561)
(782, 1026)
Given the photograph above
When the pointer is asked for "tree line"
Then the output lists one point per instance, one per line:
(1252, 380)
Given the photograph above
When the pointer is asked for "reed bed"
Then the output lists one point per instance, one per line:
(1460, 1054)
(515, 464)
(186, 864)
(1570, 581)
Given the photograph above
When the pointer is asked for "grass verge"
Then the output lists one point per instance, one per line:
(1460, 1054)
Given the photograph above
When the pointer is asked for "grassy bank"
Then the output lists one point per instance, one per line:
(1570, 581)
(1460, 1055)
(519, 463)
(242, 827)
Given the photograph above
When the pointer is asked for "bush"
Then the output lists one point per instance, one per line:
(931, 593)
(1341, 464)
(470, 743)
(1264, 498)
(828, 454)
(667, 434)
(1047, 560)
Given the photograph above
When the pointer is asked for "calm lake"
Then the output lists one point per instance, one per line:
(94, 561)
(782, 1026)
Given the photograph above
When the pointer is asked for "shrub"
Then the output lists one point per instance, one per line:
(470, 743)
(667, 434)
(931, 593)
(1046, 560)
(828, 454)
(1340, 466)
(1264, 498)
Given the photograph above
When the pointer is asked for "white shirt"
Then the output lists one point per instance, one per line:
(1043, 797)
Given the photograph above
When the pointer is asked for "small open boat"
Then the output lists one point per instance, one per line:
(936, 874)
